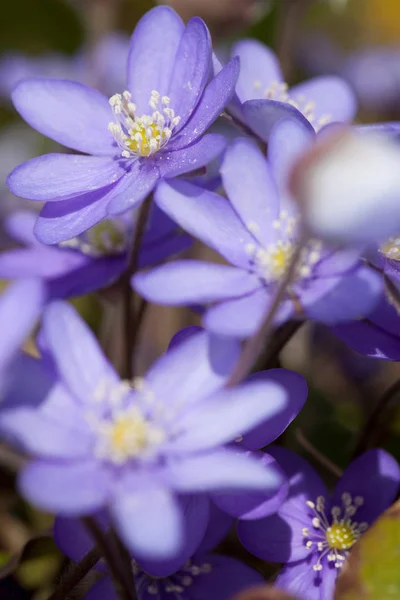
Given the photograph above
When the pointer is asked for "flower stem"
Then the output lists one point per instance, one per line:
(76, 574)
(131, 318)
(107, 547)
(255, 344)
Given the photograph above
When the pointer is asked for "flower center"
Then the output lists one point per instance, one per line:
(279, 91)
(271, 262)
(391, 248)
(127, 429)
(333, 536)
(108, 237)
(146, 134)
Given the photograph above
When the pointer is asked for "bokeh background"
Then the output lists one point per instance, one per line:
(359, 39)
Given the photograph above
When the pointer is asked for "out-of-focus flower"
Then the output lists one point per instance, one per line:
(152, 131)
(90, 261)
(313, 533)
(263, 97)
(257, 231)
(348, 188)
(203, 575)
(101, 442)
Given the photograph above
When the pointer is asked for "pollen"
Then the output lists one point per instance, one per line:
(144, 135)
(341, 536)
(391, 248)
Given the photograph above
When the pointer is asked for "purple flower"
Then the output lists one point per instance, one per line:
(90, 261)
(101, 442)
(312, 532)
(263, 97)
(151, 131)
(200, 576)
(256, 231)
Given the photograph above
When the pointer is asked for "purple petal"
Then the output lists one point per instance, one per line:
(253, 505)
(159, 251)
(337, 262)
(150, 522)
(226, 578)
(259, 68)
(196, 510)
(344, 298)
(72, 538)
(220, 470)
(19, 226)
(241, 317)
(214, 99)
(262, 115)
(133, 188)
(331, 95)
(66, 488)
(17, 316)
(296, 390)
(79, 358)
(190, 158)
(208, 217)
(191, 69)
(43, 436)
(38, 261)
(229, 414)
(152, 53)
(26, 382)
(104, 590)
(192, 281)
(251, 189)
(54, 177)
(209, 361)
(183, 335)
(219, 526)
(375, 476)
(68, 112)
(301, 580)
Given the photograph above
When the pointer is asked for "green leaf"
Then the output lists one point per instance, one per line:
(373, 569)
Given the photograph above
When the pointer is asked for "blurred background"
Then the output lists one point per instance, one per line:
(87, 40)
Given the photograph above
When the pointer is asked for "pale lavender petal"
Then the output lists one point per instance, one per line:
(195, 510)
(190, 158)
(262, 115)
(303, 582)
(219, 525)
(224, 469)
(208, 359)
(333, 97)
(73, 488)
(253, 505)
(68, 112)
(149, 521)
(251, 189)
(38, 262)
(229, 414)
(375, 476)
(214, 99)
(339, 299)
(40, 435)
(54, 177)
(191, 70)
(227, 577)
(26, 382)
(241, 317)
(192, 281)
(19, 226)
(152, 53)
(17, 316)
(208, 217)
(133, 188)
(296, 390)
(82, 365)
(337, 262)
(259, 68)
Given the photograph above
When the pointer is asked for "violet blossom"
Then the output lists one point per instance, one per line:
(151, 131)
(97, 441)
(201, 575)
(263, 97)
(92, 260)
(256, 230)
(313, 532)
